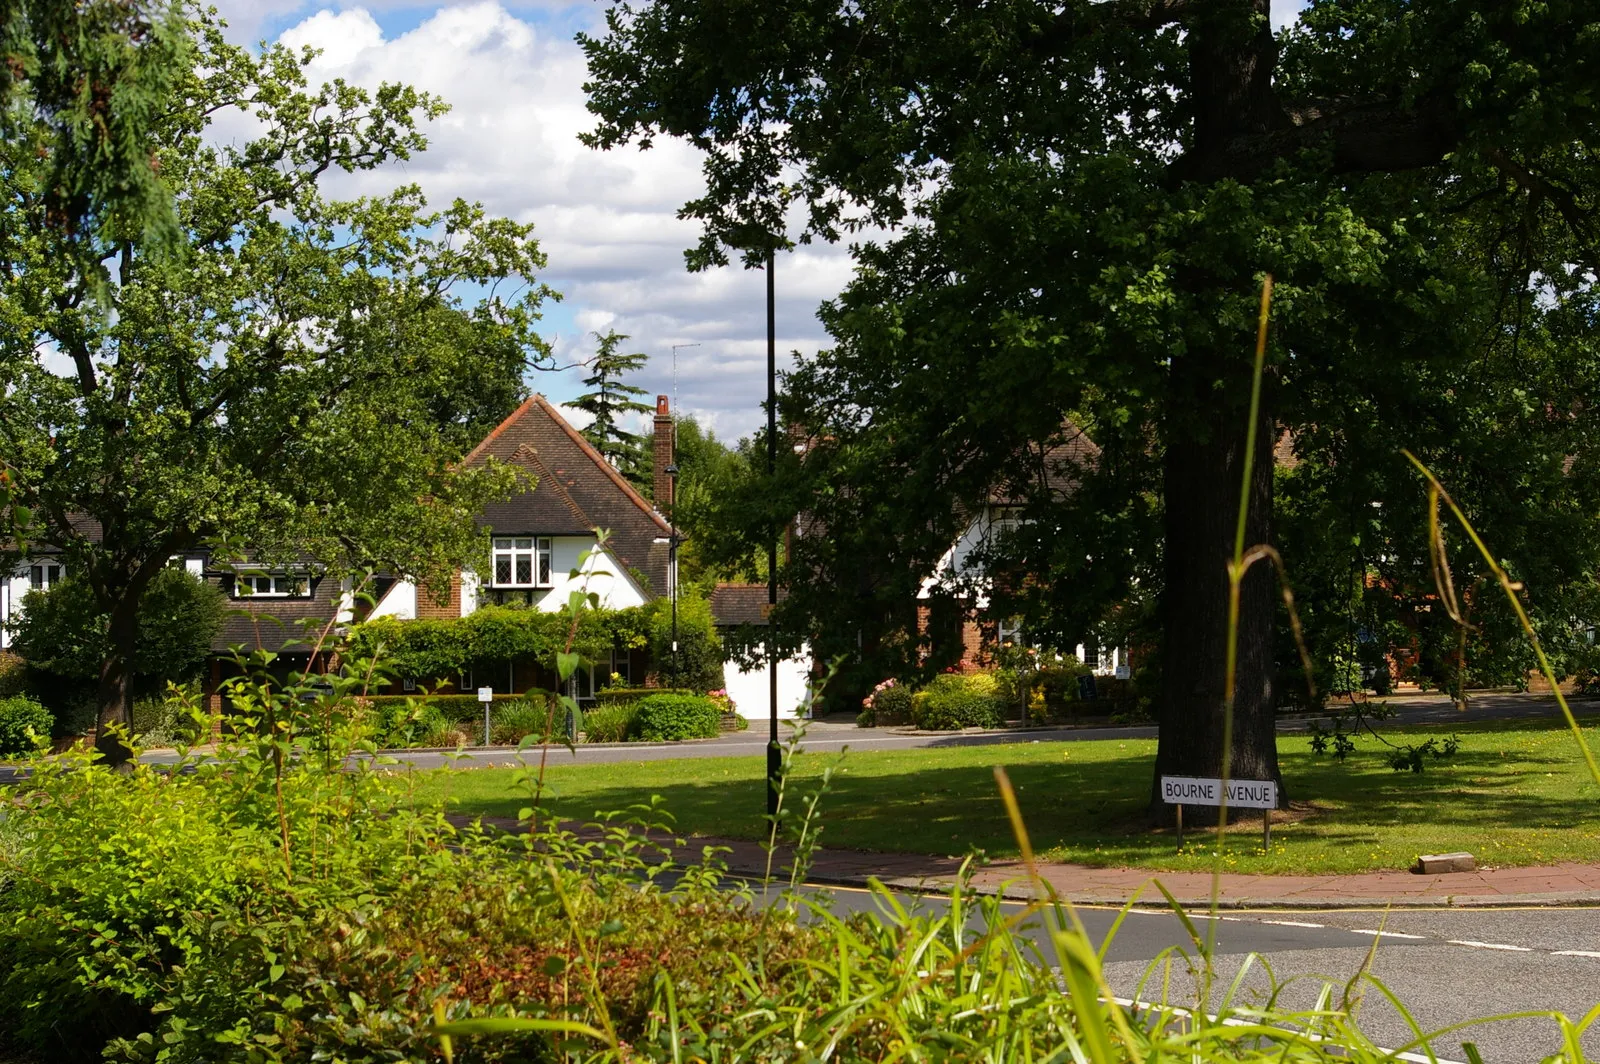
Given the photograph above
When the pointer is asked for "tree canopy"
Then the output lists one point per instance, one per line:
(291, 372)
(1064, 211)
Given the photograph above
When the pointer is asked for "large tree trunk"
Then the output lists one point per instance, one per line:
(1203, 471)
(115, 692)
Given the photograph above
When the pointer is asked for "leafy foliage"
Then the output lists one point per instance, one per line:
(952, 701)
(697, 663)
(611, 721)
(289, 371)
(1412, 175)
(23, 722)
(64, 632)
(430, 651)
(660, 718)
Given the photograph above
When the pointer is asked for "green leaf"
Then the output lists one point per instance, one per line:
(567, 664)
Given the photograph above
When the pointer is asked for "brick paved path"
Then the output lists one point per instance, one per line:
(1564, 884)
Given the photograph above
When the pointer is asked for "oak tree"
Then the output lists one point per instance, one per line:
(1064, 209)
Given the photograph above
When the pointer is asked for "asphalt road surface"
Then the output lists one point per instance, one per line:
(1446, 966)
(829, 736)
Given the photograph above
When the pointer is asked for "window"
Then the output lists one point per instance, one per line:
(521, 561)
(44, 576)
(271, 585)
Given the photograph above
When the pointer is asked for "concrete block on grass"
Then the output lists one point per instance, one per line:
(1431, 864)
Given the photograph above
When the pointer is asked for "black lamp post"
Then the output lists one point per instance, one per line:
(774, 751)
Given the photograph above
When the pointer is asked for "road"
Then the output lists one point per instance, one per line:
(829, 736)
(1446, 966)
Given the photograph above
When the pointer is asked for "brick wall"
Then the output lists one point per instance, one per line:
(428, 606)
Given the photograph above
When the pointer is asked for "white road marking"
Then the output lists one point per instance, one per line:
(1385, 934)
(1575, 953)
(1292, 923)
(1489, 945)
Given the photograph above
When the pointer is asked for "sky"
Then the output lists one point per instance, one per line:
(606, 220)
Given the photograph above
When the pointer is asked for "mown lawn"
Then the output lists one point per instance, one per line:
(1516, 793)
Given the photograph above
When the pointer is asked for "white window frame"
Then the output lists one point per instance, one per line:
(42, 576)
(271, 585)
(534, 551)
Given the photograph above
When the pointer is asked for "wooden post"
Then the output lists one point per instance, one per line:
(1266, 831)
(1179, 808)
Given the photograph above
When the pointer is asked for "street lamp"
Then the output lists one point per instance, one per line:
(672, 514)
(774, 752)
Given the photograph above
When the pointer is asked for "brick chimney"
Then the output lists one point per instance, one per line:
(664, 456)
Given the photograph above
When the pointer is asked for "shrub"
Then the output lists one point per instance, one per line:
(22, 719)
(406, 722)
(954, 701)
(13, 674)
(456, 709)
(610, 722)
(168, 720)
(515, 721)
(889, 703)
(698, 663)
(63, 632)
(673, 717)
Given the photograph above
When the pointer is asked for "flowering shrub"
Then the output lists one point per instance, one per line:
(723, 700)
(889, 703)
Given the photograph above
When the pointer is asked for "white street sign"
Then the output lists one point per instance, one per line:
(1242, 794)
(486, 694)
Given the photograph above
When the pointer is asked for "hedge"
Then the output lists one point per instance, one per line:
(455, 709)
(672, 717)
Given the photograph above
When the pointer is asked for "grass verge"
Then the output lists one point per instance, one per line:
(1515, 794)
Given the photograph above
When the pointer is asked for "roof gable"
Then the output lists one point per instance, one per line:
(577, 490)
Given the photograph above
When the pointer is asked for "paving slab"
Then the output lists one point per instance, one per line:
(1561, 884)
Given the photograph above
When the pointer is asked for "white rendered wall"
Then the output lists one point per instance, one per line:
(400, 601)
(752, 694)
(602, 575)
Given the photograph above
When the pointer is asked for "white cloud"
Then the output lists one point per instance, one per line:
(607, 220)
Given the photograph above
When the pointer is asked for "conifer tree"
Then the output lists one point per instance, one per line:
(609, 400)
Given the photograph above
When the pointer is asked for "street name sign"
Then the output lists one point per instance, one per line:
(1242, 794)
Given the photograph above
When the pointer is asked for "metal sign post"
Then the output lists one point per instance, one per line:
(1180, 791)
(486, 696)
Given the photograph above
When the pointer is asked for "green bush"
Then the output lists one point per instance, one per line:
(953, 701)
(892, 705)
(671, 717)
(168, 720)
(21, 720)
(698, 663)
(13, 674)
(610, 721)
(514, 721)
(406, 722)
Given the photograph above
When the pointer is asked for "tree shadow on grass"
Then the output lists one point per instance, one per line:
(1093, 811)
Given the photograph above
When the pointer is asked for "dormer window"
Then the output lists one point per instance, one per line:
(271, 585)
(521, 561)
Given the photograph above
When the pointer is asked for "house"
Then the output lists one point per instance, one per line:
(953, 602)
(536, 538)
(533, 540)
(736, 607)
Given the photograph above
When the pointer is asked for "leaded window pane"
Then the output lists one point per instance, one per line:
(502, 570)
(524, 569)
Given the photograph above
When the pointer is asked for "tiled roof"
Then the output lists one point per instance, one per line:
(577, 490)
(735, 604)
(1055, 467)
(267, 623)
